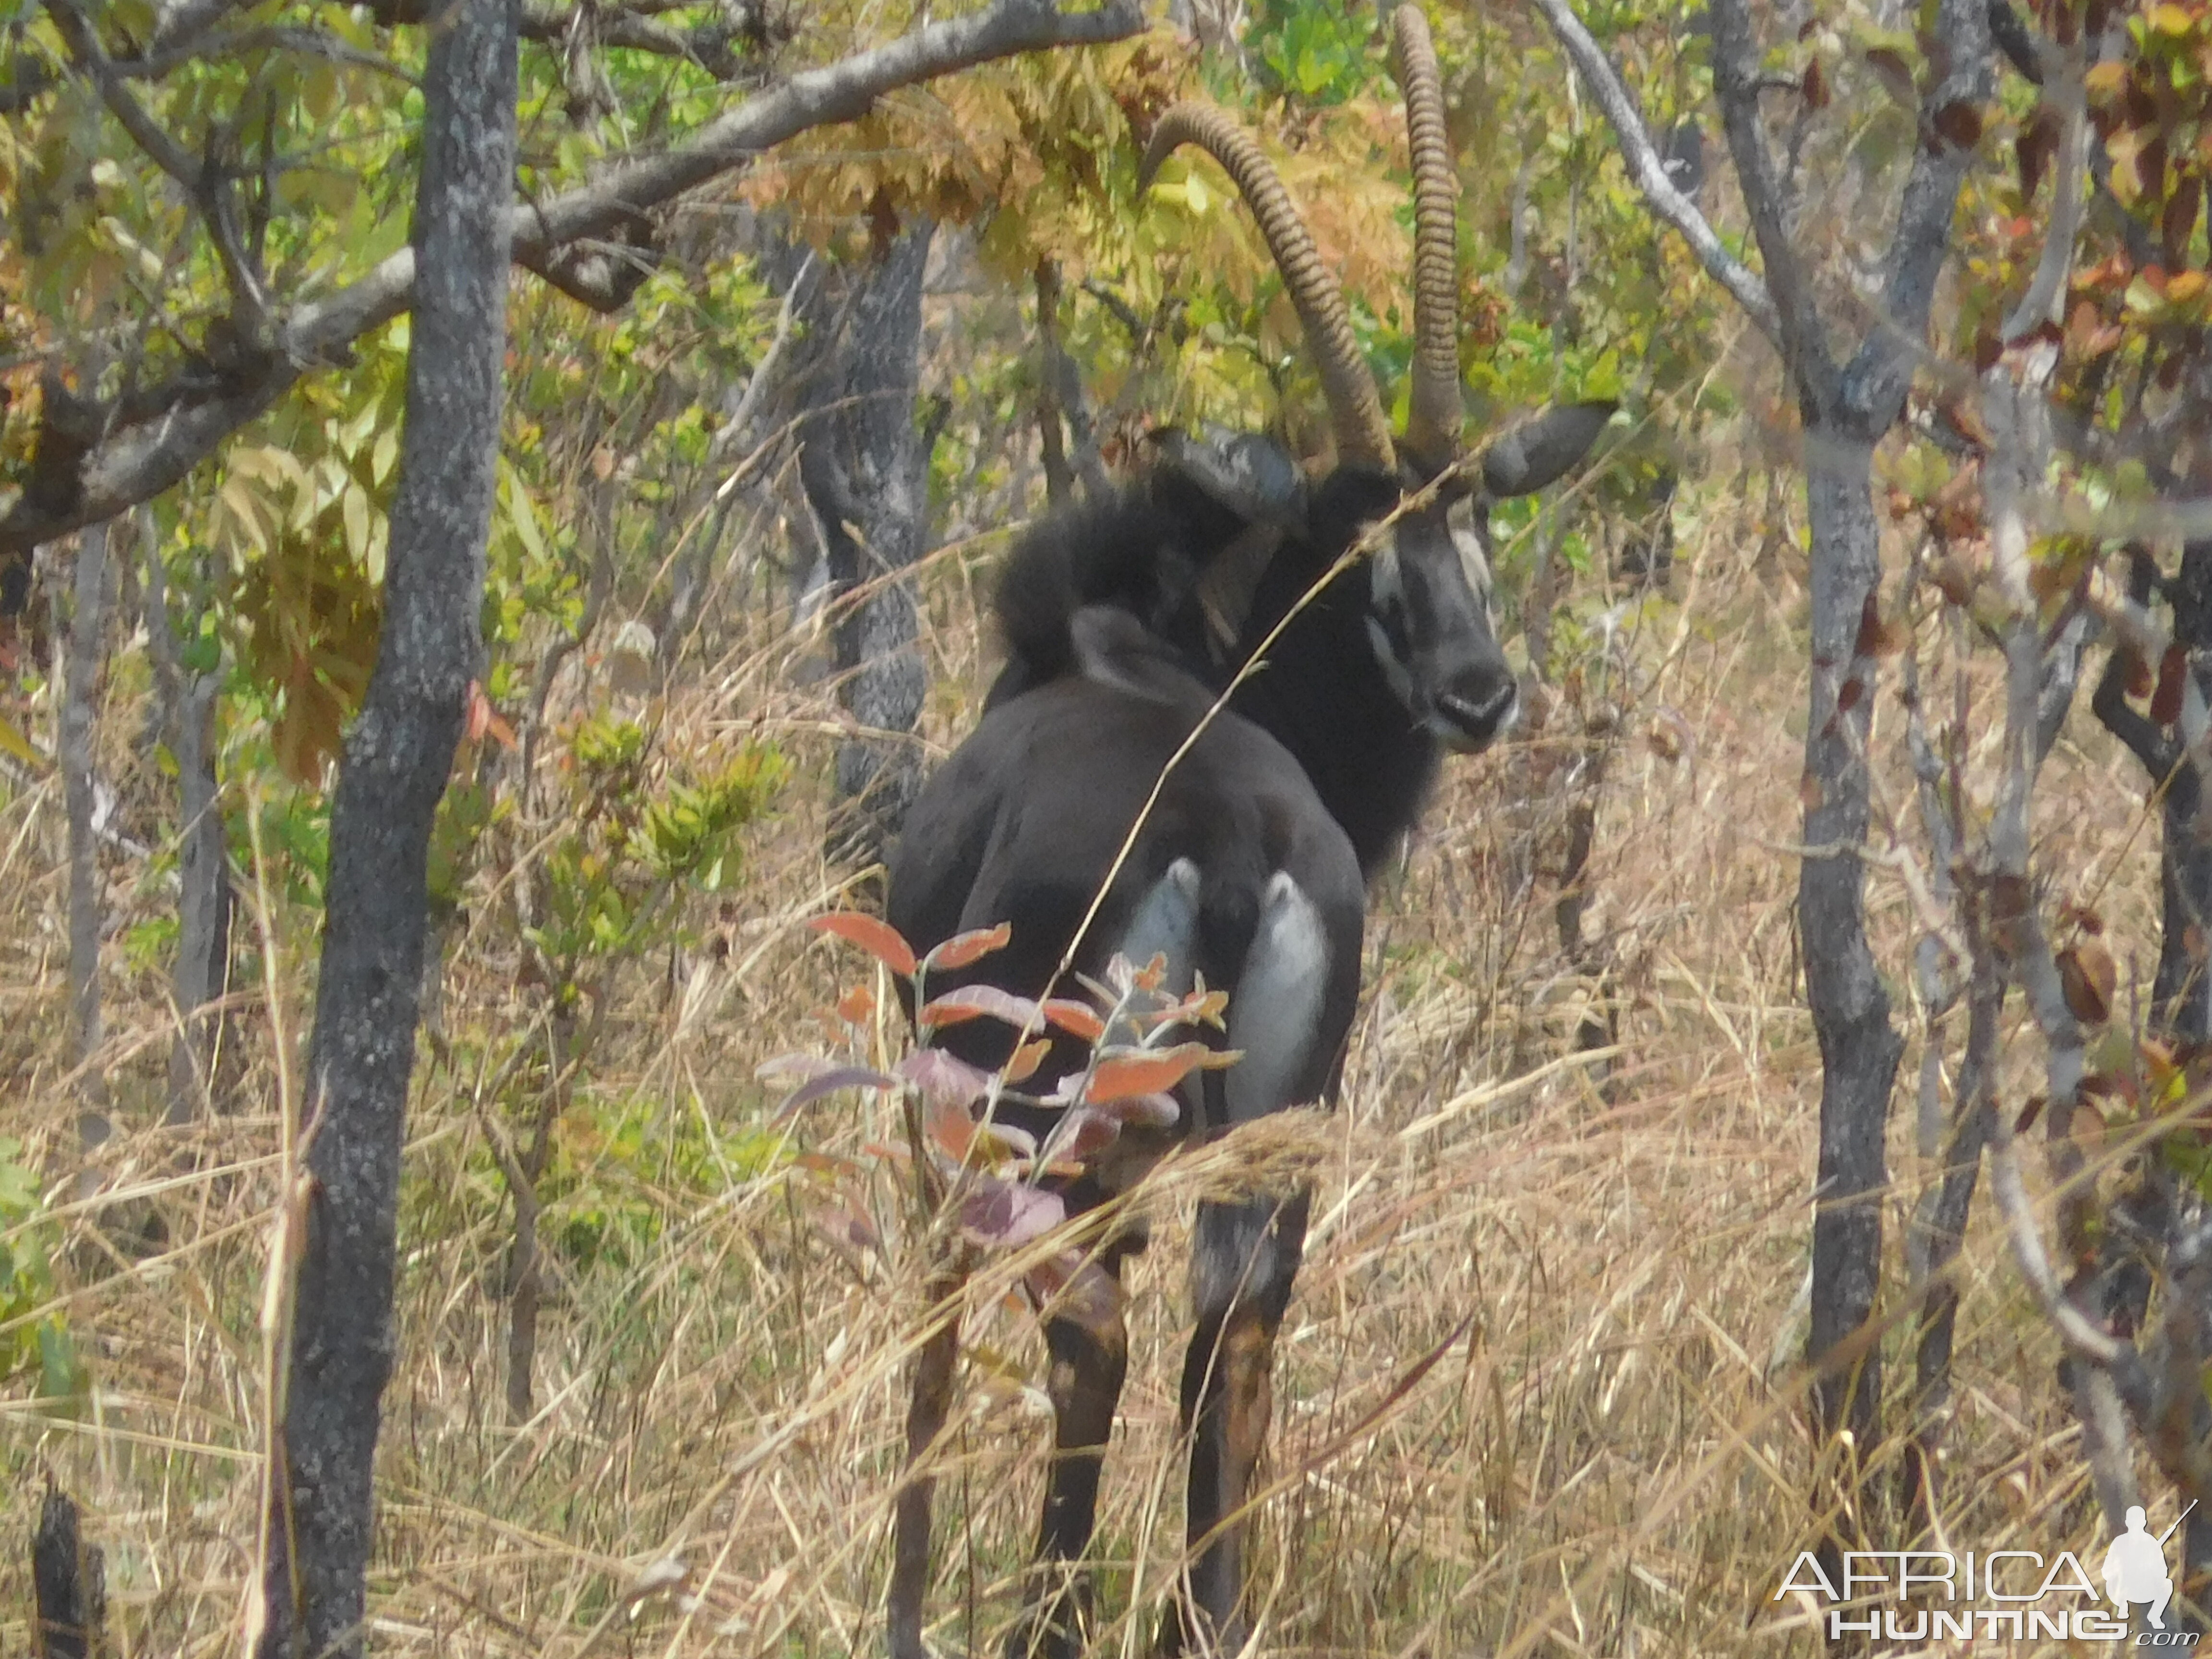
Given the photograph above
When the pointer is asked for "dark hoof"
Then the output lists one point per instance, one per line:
(1056, 1624)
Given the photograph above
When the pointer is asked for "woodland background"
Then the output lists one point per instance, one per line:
(1546, 1382)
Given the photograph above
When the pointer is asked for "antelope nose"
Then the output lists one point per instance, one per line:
(1477, 709)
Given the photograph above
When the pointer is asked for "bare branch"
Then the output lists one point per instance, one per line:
(1646, 167)
(711, 45)
(1799, 332)
(598, 272)
(2073, 1327)
(145, 131)
(1875, 385)
(182, 423)
(728, 435)
(2046, 298)
(184, 21)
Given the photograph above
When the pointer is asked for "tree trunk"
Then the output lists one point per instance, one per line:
(1859, 1048)
(397, 759)
(2121, 1278)
(88, 636)
(202, 974)
(866, 468)
(2182, 992)
(204, 909)
(68, 1585)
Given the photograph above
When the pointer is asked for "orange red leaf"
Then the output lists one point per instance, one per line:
(964, 948)
(1146, 1074)
(878, 938)
(1077, 1019)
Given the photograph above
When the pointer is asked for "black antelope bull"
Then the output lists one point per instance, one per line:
(1123, 619)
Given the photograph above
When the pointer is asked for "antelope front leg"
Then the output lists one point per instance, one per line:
(927, 1410)
(1246, 1256)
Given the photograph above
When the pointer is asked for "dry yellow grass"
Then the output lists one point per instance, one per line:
(1608, 1457)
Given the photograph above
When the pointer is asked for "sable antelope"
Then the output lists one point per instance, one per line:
(1122, 618)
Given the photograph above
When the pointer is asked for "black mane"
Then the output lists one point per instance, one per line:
(1323, 694)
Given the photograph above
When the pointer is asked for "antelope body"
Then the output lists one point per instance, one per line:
(1123, 619)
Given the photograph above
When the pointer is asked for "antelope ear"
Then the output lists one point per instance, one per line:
(1536, 453)
(1244, 473)
(1226, 587)
(1112, 647)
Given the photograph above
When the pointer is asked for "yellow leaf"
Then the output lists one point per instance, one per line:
(2170, 18)
(524, 516)
(320, 91)
(380, 539)
(2106, 80)
(240, 500)
(355, 508)
(12, 741)
(258, 462)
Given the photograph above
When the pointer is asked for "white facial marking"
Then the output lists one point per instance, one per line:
(1466, 537)
(1386, 583)
(1397, 673)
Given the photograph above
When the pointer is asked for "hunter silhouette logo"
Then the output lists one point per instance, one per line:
(2009, 1596)
(2134, 1566)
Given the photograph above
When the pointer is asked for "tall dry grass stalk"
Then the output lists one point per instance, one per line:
(1538, 1390)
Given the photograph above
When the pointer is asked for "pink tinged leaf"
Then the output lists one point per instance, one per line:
(1075, 1287)
(964, 1140)
(950, 1129)
(964, 948)
(846, 1224)
(1149, 1111)
(943, 1079)
(878, 938)
(978, 1001)
(818, 1076)
(1005, 1214)
(1008, 1141)
(1084, 1133)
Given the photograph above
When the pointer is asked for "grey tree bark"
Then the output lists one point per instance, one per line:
(865, 465)
(2181, 992)
(202, 975)
(397, 759)
(1849, 394)
(1859, 1045)
(2164, 1222)
(1847, 404)
(80, 676)
(69, 1584)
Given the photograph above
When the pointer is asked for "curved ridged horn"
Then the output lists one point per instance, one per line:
(1434, 413)
(1362, 433)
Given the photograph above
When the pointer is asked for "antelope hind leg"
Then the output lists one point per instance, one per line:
(1246, 1256)
(1090, 1352)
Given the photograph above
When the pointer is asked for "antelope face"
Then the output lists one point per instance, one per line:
(1429, 622)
